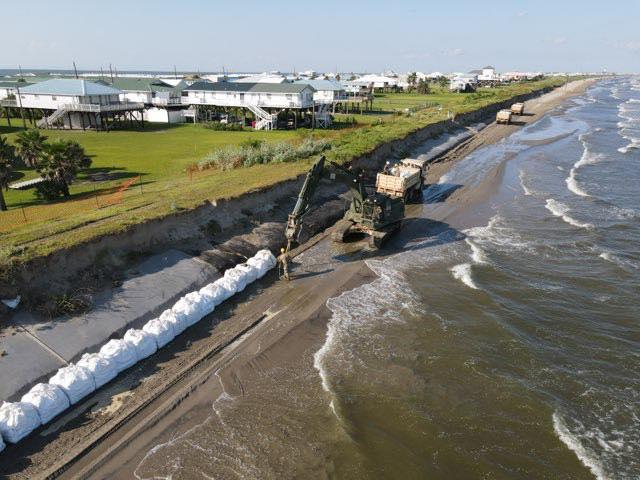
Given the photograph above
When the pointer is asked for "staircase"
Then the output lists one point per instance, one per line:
(323, 115)
(51, 119)
(264, 119)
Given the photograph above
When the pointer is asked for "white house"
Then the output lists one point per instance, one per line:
(488, 74)
(464, 82)
(75, 103)
(377, 81)
(326, 91)
(10, 88)
(163, 102)
(238, 94)
(262, 99)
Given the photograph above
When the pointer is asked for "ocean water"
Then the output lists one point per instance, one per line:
(510, 349)
(514, 353)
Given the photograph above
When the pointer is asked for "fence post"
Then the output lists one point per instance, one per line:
(24, 215)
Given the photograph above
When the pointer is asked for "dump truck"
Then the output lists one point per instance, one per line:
(517, 108)
(503, 116)
(404, 179)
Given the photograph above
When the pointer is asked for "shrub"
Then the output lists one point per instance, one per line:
(228, 127)
(256, 152)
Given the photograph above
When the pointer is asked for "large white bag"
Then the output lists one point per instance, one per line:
(213, 295)
(260, 264)
(239, 276)
(187, 310)
(177, 322)
(17, 420)
(120, 352)
(76, 382)
(268, 256)
(143, 342)
(250, 271)
(103, 369)
(161, 331)
(228, 285)
(49, 400)
(199, 303)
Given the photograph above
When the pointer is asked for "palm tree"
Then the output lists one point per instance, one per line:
(7, 159)
(60, 162)
(30, 144)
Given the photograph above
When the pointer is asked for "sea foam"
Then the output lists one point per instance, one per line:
(462, 272)
(560, 210)
(586, 456)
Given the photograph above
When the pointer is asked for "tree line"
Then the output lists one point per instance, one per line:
(57, 162)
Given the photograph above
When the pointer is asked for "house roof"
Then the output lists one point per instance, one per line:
(488, 67)
(249, 87)
(13, 84)
(70, 86)
(323, 85)
(133, 84)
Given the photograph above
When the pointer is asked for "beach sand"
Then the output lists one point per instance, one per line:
(275, 326)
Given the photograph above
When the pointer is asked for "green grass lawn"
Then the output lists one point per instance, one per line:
(159, 154)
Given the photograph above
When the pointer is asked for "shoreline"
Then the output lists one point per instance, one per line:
(272, 297)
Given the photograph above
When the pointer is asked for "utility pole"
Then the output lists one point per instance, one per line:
(24, 122)
(75, 70)
(111, 73)
(175, 72)
(20, 69)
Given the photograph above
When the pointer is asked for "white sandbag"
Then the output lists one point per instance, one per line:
(250, 271)
(187, 309)
(214, 296)
(260, 264)
(144, 343)
(17, 420)
(76, 382)
(228, 286)
(161, 331)
(200, 304)
(268, 256)
(239, 276)
(177, 323)
(102, 368)
(49, 400)
(120, 352)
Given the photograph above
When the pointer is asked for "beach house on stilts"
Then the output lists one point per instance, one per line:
(76, 104)
(266, 102)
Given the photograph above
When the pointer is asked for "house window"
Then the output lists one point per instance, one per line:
(184, 94)
(289, 96)
(53, 97)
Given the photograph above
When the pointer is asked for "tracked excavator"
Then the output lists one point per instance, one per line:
(373, 213)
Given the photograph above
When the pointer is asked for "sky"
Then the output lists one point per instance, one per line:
(327, 35)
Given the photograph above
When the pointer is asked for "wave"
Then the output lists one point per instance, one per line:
(585, 455)
(462, 272)
(560, 210)
(522, 184)
(572, 184)
(616, 260)
(629, 126)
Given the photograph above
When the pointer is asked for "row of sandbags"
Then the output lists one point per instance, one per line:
(72, 383)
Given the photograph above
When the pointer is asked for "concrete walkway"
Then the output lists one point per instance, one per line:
(35, 348)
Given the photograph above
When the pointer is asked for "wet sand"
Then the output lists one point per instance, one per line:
(276, 326)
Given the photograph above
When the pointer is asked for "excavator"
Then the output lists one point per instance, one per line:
(375, 214)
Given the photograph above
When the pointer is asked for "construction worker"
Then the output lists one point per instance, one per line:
(283, 264)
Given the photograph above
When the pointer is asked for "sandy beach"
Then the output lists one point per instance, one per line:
(267, 339)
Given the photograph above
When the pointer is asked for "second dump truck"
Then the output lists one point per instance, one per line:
(504, 116)
(404, 180)
(517, 108)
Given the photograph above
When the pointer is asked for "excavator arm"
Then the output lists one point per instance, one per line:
(303, 203)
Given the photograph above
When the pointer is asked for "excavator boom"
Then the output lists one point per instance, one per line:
(304, 201)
